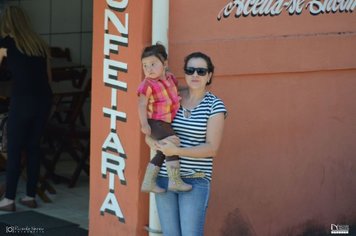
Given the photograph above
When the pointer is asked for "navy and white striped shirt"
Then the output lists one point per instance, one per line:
(192, 132)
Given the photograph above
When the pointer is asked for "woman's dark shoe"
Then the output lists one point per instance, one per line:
(28, 203)
(10, 207)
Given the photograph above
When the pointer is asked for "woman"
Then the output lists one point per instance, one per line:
(199, 125)
(27, 60)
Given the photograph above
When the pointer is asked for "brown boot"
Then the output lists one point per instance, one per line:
(175, 182)
(149, 181)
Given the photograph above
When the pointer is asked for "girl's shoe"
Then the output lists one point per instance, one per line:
(149, 181)
(175, 182)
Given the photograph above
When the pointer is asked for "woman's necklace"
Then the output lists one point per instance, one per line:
(188, 112)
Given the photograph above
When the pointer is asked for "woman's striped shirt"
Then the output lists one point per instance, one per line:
(192, 132)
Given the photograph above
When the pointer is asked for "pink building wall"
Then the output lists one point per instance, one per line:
(287, 163)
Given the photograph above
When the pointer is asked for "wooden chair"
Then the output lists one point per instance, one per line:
(58, 52)
(76, 75)
(70, 137)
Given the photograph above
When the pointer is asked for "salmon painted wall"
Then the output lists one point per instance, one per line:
(121, 30)
(287, 163)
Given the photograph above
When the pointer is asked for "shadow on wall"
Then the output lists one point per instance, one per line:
(237, 223)
(309, 228)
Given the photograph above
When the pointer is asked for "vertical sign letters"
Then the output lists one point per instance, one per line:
(113, 156)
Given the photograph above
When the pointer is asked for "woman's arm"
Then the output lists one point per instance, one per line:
(3, 53)
(142, 113)
(210, 148)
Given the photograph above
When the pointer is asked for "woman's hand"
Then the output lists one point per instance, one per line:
(169, 145)
(3, 53)
(174, 139)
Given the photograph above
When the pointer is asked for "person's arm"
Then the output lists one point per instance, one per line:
(152, 143)
(142, 113)
(208, 149)
(3, 53)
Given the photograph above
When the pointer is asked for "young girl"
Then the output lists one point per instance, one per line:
(158, 104)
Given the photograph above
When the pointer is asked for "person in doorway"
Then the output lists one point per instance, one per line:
(157, 106)
(199, 125)
(27, 58)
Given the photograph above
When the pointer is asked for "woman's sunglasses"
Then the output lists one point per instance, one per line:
(200, 71)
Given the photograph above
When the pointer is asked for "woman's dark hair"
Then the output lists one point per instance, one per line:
(157, 50)
(206, 58)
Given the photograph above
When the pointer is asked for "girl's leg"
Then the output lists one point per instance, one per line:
(168, 210)
(158, 159)
(192, 207)
(158, 131)
(161, 130)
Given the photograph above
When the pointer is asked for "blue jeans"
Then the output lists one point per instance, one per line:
(183, 213)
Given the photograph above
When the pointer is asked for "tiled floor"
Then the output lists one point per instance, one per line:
(71, 204)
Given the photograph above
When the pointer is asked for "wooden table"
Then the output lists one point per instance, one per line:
(63, 70)
(60, 63)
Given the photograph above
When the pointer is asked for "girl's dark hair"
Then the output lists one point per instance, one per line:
(206, 58)
(157, 50)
